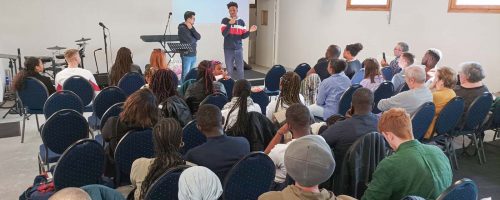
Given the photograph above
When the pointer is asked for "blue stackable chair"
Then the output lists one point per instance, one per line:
(31, 100)
(412, 198)
(495, 120)
(80, 165)
(192, 137)
(402, 88)
(302, 70)
(61, 130)
(113, 111)
(346, 99)
(250, 177)
(262, 99)
(131, 82)
(228, 85)
(81, 87)
(192, 74)
(464, 189)
(272, 80)
(384, 91)
(218, 100)
(358, 76)
(387, 73)
(64, 99)
(422, 119)
(167, 185)
(134, 145)
(103, 101)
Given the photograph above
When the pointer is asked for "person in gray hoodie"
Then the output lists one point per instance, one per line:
(188, 35)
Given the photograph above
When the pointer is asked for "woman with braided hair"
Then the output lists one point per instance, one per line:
(205, 85)
(290, 94)
(164, 84)
(167, 141)
(235, 111)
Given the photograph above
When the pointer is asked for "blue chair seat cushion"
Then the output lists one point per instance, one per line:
(53, 157)
(94, 122)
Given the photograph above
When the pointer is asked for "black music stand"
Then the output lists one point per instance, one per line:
(176, 47)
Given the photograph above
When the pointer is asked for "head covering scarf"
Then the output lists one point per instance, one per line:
(309, 88)
(199, 183)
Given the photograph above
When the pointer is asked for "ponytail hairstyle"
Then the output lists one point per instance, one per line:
(205, 73)
(242, 90)
(29, 70)
(354, 49)
(290, 89)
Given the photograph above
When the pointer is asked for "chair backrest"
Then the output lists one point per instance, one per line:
(262, 99)
(81, 164)
(33, 95)
(192, 137)
(422, 119)
(272, 79)
(106, 98)
(358, 76)
(228, 85)
(250, 177)
(402, 88)
(112, 111)
(131, 82)
(101, 192)
(134, 145)
(495, 121)
(302, 70)
(384, 91)
(477, 112)
(218, 100)
(464, 189)
(360, 162)
(387, 73)
(64, 99)
(167, 185)
(346, 99)
(63, 128)
(449, 116)
(412, 198)
(192, 74)
(81, 87)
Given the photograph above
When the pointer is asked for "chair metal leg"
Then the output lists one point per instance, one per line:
(496, 134)
(478, 152)
(453, 154)
(481, 142)
(37, 124)
(24, 126)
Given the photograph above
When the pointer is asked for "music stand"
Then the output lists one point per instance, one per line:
(176, 47)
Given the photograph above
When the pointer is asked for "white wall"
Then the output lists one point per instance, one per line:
(306, 28)
(35, 25)
(265, 34)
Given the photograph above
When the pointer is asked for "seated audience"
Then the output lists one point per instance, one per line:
(343, 133)
(140, 111)
(70, 193)
(219, 71)
(158, 60)
(298, 122)
(321, 68)
(353, 64)
(148, 76)
(406, 59)
(307, 171)
(309, 89)
(412, 99)
(373, 78)
(235, 111)
(444, 80)
(32, 68)
(123, 65)
(199, 182)
(399, 49)
(73, 59)
(204, 86)
(164, 84)
(332, 88)
(471, 86)
(220, 152)
(430, 60)
(290, 94)
(413, 169)
(167, 141)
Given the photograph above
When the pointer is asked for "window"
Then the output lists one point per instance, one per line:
(485, 6)
(369, 5)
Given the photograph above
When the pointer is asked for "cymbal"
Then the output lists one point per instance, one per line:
(83, 40)
(57, 48)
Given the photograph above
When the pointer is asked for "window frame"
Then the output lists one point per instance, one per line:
(386, 7)
(453, 7)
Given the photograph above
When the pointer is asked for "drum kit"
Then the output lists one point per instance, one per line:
(57, 58)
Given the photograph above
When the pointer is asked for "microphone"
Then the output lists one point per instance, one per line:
(170, 13)
(102, 25)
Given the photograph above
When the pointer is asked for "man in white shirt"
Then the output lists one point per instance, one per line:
(298, 122)
(73, 59)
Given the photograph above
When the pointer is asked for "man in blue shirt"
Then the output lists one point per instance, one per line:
(332, 88)
(188, 34)
(220, 152)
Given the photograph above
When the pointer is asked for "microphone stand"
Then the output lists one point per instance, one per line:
(105, 49)
(165, 34)
(95, 59)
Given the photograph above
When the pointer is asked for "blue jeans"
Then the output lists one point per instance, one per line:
(234, 58)
(188, 63)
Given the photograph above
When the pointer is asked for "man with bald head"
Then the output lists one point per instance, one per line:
(70, 193)
(410, 100)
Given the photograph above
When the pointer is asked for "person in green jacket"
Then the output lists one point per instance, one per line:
(414, 168)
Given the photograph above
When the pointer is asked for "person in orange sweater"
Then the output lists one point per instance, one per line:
(445, 79)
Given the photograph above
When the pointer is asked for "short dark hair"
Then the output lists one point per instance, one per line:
(338, 65)
(231, 4)
(209, 117)
(362, 100)
(333, 51)
(408, 57)
(434, 55)
(188, 14)
(298, 115)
